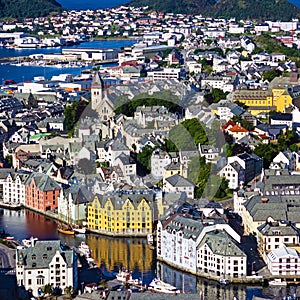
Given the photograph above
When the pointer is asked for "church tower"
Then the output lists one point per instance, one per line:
(97, 89)
(100, 101)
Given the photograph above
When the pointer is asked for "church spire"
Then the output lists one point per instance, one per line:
(97, 81)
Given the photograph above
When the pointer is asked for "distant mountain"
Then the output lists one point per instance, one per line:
(28, 8)
(240, 9)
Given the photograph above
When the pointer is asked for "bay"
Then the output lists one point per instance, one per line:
(98, 4)
(90, 4)
(134, 254)
(24, 73)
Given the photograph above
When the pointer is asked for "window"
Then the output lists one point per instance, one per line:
(29, 281)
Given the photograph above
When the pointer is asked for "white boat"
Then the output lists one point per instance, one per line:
(79, 230)
(150, 238)
(84, 249)
(126, 277)
(29, 242)
(159, 286)
(224, 281)
(277, 282)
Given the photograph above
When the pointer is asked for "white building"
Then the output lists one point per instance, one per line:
(14, 189)
(185, 243)
(46, 262)
(166, 73)
(177, 183)
(283, 261)
(159, 160)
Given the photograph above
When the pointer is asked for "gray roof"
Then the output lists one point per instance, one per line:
(221, 243)
(41, 255)
(43, 182)
(281, 228)
(278, 207)
(177, 180)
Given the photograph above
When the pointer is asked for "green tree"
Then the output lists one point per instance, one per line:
(270, 74)
(144, 156)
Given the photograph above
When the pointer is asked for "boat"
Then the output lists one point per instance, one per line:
(159, 286)
(29, 242)
(224, 281)
(84, 249)
(79, 230)
(277, 282)
(150, 238)
(9, 238)
(65, 230)
(126, 277)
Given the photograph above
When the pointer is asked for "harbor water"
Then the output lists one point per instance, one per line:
(25, 73)
(111, 254)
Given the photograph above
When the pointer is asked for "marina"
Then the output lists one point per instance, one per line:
(110, 255)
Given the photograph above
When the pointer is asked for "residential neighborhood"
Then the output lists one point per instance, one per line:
(189, 137)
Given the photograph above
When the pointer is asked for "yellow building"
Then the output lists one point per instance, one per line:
(122, 213)
(264, 101)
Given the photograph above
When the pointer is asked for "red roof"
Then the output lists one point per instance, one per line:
(238, 128)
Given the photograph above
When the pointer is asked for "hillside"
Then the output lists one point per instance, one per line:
(28, 9)
(241, 9)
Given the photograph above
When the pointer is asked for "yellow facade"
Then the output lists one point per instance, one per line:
(120, 216)
(263, 101)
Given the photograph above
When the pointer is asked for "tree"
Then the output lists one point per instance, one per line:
(215, 96)
(144, 156)
(270, 74)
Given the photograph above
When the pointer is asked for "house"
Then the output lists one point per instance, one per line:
(14, 189)
(41, 192)
(46, 262)
(126, 164)
(200, 247)
(272, 234)
(237, 132)
(284, 261)
(251, 163)
(122, 213)
(72, 204)
(159, 160)
(282, 119)
(257, 209)
(209, 152)
(177, 183)
(234, 173)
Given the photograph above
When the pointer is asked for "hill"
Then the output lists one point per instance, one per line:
(28, 9)
(240, 9)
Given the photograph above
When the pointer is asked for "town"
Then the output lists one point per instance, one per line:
(190, 140)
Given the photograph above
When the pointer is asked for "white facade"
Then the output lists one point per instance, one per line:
(45, 263)
(181, 243)
(284, 261)
(13, 191)
(159, 160)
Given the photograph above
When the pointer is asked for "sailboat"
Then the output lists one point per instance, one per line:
(66, 228)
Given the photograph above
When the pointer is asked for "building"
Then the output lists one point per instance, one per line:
(202, 247)
(41, 192)
(272, 234)
(72, 204)
(14, 189)
(46, 262)
(99, 99)
(284, 261)
(264, 101)
(124, 213)
(177, 183)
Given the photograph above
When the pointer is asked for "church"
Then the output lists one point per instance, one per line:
(99, 99)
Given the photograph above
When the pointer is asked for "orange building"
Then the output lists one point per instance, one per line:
(41, 192)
